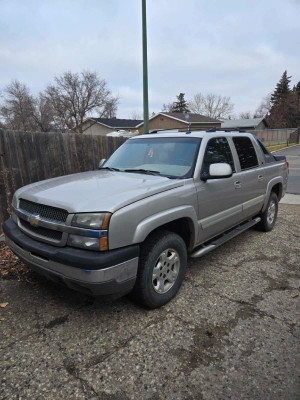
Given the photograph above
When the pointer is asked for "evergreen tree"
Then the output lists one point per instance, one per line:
(180, 106)
(282, 89)
(285, 110)
(296, 89)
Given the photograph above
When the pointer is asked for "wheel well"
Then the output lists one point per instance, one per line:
(183, 227)
(277, 189)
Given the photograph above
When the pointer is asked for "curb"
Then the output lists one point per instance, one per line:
(291, 199)
(287, 147)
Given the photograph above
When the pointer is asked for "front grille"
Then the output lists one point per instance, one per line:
(43, 232)
(52, 213)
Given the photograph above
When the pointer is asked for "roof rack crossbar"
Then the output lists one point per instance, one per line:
(194, 128)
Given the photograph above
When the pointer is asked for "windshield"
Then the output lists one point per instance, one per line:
(171, 157)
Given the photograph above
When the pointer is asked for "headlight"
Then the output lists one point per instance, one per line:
(91, 220)
(84, 242)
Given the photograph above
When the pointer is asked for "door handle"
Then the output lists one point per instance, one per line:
(260, 178)
(237, 184)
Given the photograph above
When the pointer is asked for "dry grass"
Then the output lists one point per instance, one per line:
(277, 147)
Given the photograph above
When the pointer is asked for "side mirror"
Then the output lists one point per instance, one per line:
(102, 161)
(217, 171)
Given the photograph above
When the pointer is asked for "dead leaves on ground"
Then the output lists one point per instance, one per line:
(10, 265)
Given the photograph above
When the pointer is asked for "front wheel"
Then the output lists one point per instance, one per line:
(269, 216)
(162, 268)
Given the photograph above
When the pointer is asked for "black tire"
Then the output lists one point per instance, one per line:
(268, 218)
(146, 289)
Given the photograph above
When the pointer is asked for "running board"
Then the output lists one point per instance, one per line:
(227, 236)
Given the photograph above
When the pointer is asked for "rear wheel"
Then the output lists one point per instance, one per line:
(269, 216)
(161, 269)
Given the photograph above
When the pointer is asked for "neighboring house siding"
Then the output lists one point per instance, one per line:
(205, 126)
(95, 129)
(261, 125)
(163, 122)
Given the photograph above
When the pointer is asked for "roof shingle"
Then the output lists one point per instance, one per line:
(241, 123)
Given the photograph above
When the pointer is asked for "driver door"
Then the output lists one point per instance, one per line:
(219, 200)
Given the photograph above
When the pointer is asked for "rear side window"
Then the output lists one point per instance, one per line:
(217, 151)
(246, 152)
(265, 151)
(268, 156)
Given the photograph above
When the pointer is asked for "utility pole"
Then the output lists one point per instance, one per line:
(145, 69)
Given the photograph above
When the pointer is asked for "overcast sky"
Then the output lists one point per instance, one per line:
(236, 48)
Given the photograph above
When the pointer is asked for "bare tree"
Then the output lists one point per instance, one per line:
(168, 107)
(110, 108)
(245, 115)
(136, 115)
(197, 105)
(74, 96)
(264, 107)
(43, 114)
(212, 105)
(18, 107)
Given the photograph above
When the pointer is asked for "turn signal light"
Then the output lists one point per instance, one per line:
(103, 243)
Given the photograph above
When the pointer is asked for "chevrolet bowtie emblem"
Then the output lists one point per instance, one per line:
(34, 220)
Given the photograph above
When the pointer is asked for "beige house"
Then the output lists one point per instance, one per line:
(181, 121)
(103, 126)
(160, 121)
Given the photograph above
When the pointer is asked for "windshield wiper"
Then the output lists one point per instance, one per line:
(143, 171)
(110, 168)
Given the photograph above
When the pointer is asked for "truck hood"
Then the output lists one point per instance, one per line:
(96, 190)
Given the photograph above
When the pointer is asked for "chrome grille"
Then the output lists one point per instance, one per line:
(51, 213)
(43, 232)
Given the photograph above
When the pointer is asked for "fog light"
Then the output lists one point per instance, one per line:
(84, 242)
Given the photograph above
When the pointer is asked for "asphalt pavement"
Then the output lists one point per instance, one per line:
(293, 156)
(231, 333)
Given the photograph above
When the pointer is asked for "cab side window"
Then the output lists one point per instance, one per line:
(246, 152)
(217, 151)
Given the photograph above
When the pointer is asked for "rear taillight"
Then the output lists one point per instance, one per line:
(287, 165)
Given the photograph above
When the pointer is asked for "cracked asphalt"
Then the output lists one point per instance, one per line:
(231, 333)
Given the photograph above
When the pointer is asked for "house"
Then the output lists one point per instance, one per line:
(103, 126)
(246, 124)
(171, 120)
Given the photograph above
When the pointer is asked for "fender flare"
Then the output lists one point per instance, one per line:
(148, 225)
(271, 184)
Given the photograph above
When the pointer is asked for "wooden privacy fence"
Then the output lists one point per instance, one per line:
(27, 157)
(275, 136)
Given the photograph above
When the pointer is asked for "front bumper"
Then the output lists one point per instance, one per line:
(83, 270)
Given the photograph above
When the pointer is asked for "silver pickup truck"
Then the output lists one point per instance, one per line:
(131, 225)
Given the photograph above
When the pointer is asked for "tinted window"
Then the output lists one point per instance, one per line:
(246, 152)
(217, 151)
(268, 156)
(265, 151)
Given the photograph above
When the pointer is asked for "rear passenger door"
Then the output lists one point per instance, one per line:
(250, 178)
